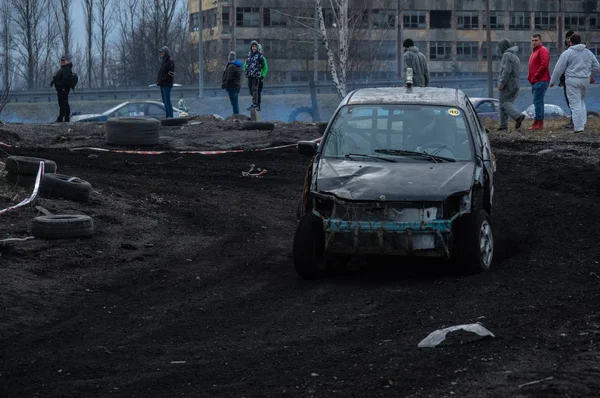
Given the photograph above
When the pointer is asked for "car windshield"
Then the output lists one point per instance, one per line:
(401, 132)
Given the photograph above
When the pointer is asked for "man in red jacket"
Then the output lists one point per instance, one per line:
(539, 77)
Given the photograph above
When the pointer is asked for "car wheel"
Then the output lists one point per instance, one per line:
(309, 247)
(474, 243)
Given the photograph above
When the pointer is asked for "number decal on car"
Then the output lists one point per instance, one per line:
(453, 112)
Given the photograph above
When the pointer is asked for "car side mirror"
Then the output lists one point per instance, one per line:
(307, 148)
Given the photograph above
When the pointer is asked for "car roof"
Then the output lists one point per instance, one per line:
(402, 95)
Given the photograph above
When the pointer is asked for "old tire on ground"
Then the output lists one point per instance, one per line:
(592, 114)
(63, 186)
(132, 131)
(21, 180)
(27, 165)
(257, 126)
(300, 110)
(173, 121)
(321, 126)
(309, 247)
(474, 243)
(65, 226)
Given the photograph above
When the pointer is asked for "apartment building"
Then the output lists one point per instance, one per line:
(451, 33)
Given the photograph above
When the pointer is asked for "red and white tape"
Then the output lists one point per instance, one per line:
(30, 199)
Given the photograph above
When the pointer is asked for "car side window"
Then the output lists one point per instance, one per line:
(485, 107)
(155, 110)
(475, 123)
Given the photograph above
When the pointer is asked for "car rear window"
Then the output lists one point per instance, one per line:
(364, 129)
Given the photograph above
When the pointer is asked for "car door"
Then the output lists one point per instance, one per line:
(485, 149)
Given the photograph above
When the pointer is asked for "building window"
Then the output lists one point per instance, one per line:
(519, 20)
(194, 22)
(242, 48)
(496, 20)
(440, 19)
(495, 55)
(574, 21)
(467, 20)
(440, 50)
(225, 16)
(414, 20)
(329, 17)
(383, 19)
(247, 17)
(594, 21)
(594, 48)
(385, 49)
(275, 49)
(274, 17)
(225, 46)
(359, 19)
(467, 50)
(209, 19)
(545, 20)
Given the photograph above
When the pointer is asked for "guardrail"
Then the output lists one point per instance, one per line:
(127, 93)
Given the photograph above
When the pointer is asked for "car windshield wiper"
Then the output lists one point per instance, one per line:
(424, 155)
(349, 155)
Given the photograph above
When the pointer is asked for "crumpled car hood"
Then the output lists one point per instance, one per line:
(421, 181)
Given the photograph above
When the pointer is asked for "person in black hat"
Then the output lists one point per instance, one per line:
(165, 78)
(60, 81)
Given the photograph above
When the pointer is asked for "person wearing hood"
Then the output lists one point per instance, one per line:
(165, 78)
(254, 67)
(508, 84)
(232, 80)
(415, 59)
(578, 64)
(61, 82)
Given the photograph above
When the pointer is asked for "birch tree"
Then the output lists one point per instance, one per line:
(88, 12)
(338, 70)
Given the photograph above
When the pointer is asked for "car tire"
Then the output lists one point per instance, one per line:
(65, 226)
(62, 186)
(27, 165)
(132, 131)
(474, 243)
(309, 247)
(174, 121)
(257, 126)
(21, 180)
(300, 110)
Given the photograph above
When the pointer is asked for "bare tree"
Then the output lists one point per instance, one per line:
(104, 21)
(6, 39)
(28, 19)
(339, 9)
(63, 17)
(88, 11)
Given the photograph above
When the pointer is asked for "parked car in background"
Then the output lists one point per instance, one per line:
(486, 107)
(146, 108)
(399, 172)
(550, 111)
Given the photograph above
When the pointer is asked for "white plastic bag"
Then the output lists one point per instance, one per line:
(435, 338)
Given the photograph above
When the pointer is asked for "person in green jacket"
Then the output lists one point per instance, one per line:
(263, 74)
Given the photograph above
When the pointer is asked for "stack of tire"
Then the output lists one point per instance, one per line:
(23, 170)
(138, 131)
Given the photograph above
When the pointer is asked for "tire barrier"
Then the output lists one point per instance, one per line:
(62, 226)
(55, 185)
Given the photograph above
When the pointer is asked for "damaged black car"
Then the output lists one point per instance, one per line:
(398, 172)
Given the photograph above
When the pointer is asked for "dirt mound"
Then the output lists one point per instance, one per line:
(8, 137)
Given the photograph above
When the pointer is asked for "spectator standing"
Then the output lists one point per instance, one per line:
(578, 64)
(539, 78)
(508, 84)
(415, 59)
(165, 79)
(61, 82)
(232, 80)
(254, 66)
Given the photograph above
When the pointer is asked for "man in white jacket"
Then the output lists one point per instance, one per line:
(578, 64)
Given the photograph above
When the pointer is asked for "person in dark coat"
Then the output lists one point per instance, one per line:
(254, 66)
(232, 80)
(61, 82)
(165, 78)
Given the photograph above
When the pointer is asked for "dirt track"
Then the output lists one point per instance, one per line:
(188, 289)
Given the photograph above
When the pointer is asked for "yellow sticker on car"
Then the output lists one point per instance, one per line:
(453, 112)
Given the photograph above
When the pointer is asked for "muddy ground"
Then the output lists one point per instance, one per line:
(188, 289)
